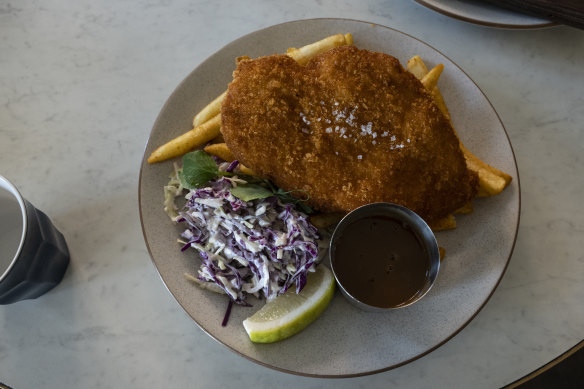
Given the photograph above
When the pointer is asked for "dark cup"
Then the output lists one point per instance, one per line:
(34, 253)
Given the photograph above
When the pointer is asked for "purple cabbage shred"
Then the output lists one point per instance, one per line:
(260, 247)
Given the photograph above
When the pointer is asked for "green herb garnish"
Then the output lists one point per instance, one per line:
(286, 197)
(248, 192)
(200, 168)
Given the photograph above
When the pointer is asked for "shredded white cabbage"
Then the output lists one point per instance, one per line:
(260, 247)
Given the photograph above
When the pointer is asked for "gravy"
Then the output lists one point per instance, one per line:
(381, 262)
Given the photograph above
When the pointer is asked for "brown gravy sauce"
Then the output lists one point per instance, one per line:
(380, 261)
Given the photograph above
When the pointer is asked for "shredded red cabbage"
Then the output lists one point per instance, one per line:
(260, 247)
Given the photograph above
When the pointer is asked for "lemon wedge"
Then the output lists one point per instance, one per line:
(290, 313)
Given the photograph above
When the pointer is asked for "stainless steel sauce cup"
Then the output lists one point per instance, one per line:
(415, 223)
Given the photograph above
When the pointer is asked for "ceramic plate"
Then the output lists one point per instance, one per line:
(345, 341)
(479, 12)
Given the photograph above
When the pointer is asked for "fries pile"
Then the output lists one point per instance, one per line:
(207, 123)
(207, 129)
(491, 180)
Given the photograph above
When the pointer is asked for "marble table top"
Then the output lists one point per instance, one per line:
(81, 85)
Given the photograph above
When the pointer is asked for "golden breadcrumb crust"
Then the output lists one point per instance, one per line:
(351, 127)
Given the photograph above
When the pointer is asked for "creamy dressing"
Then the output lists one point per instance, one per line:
(260, 247)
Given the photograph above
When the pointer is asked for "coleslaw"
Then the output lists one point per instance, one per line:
(260, 247)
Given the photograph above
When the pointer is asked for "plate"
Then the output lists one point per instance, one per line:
(345, 341)
(479, 12)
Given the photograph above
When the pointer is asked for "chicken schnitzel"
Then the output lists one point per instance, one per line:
(351, 127)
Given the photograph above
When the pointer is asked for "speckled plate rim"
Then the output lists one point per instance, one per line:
(474, 19)
(361, 373)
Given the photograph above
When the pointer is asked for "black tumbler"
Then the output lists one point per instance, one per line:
(33, 253)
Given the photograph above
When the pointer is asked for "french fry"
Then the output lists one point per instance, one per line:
(349, 39)
(211, 110)
(447, 223)
(430, 80)
(323, 220)
(465, 209)
(439, 100)
(491, 180)
(220, 150)
(182, 144)
(201, 127)
(301, 55)
(442, 251)
(482, 192)
(306, 53)
(245, 170)
(417, 67)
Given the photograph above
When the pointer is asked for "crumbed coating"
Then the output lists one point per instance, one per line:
(351, 127)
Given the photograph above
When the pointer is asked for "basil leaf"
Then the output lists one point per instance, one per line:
(198, 168)
(286, 197)
(304, 207)
(248, 192)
